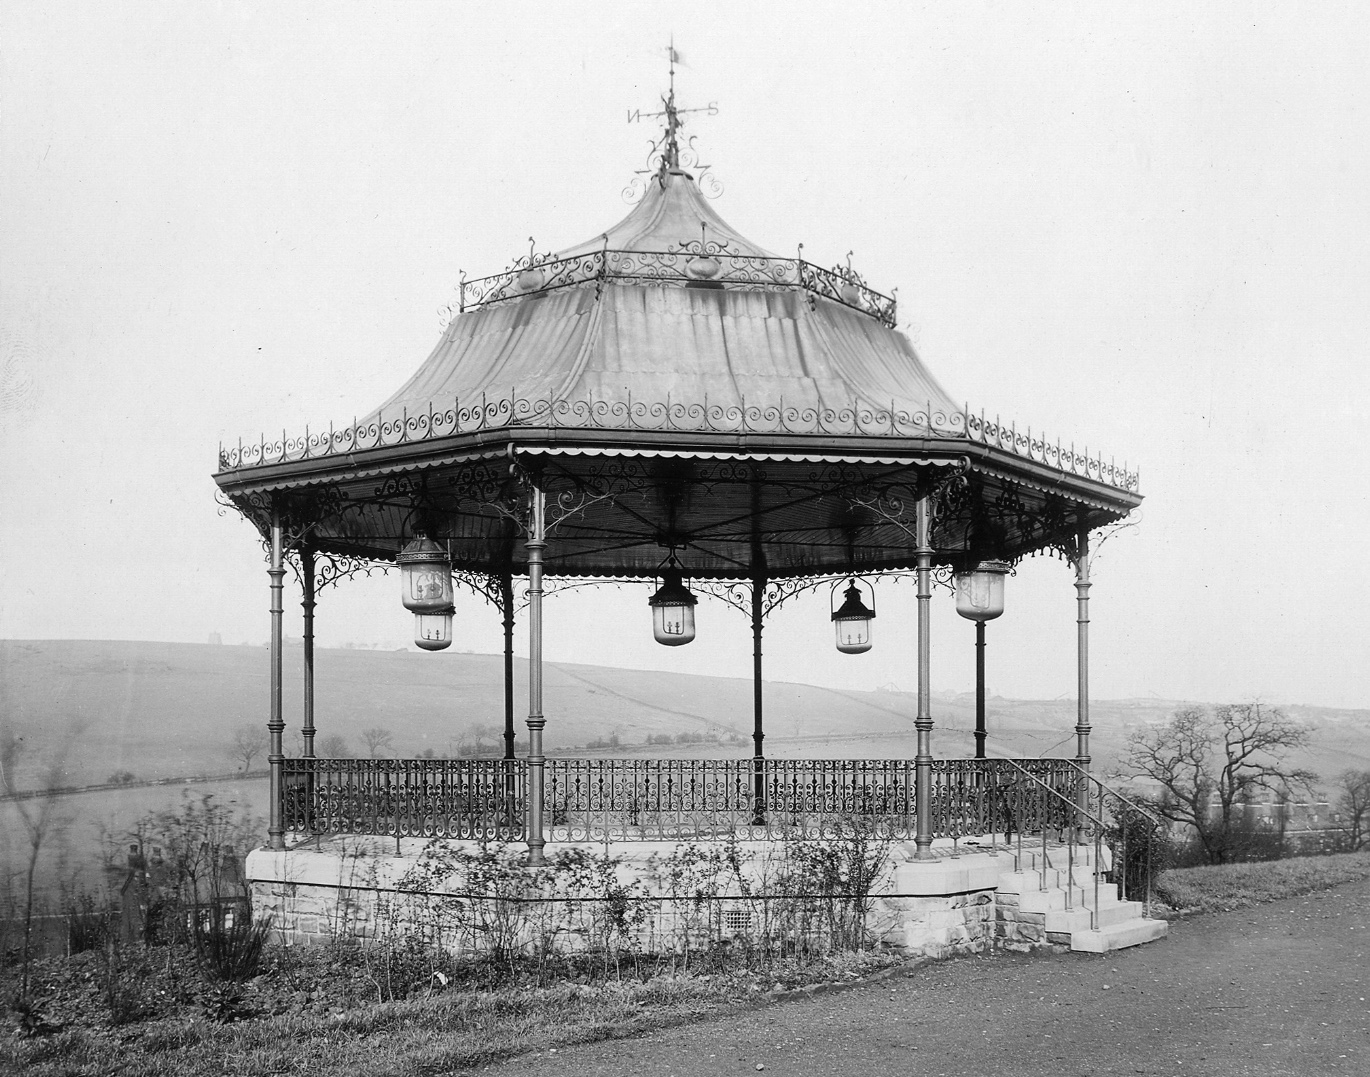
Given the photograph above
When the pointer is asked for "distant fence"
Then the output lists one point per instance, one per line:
(76, 790)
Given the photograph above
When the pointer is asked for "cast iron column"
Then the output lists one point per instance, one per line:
(923, 721)
(276, 724)
(758, 713)
(506, 599)
(979, 689)
(307, 582)
(537, 542)
(1082, 726)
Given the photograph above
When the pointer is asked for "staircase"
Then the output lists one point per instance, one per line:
(1052, 896)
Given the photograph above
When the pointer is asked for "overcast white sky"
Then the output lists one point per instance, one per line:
(1142, 227)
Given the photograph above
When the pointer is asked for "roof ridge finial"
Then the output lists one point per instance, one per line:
(670, 156)
(667, 148)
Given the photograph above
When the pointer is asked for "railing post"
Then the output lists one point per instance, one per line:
(536, 543)
(276, 723)
(923, 720)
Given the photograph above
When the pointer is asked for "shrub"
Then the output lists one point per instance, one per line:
(1141, 849)
(229, 947)
(88, 925)
(124, 974)
(224, 1003)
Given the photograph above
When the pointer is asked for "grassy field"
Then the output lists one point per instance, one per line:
(438, 1032)
(1218, 887)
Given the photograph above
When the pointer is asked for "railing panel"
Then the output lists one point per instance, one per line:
(675, 799)
(700, 799)
(482, 799)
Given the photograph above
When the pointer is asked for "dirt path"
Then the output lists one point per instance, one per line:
(1280, 989)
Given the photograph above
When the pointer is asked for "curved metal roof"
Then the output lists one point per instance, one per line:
(677, 386)
(635, 316)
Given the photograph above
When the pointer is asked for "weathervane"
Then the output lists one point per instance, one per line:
(666, 154)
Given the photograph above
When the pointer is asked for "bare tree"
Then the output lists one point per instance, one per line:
(377, 740)
(480, 738)
(248, 742)
(1353, 800)
(334, 746)
(38, 817)
(1211, 764)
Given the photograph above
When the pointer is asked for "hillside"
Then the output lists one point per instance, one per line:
(92, 709)
(159, 710)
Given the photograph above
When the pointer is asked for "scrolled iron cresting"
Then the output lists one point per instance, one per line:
(673, 416)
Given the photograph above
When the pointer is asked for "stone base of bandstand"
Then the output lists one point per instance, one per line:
(963, 900)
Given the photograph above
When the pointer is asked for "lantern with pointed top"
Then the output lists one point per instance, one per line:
(980, 592)
(852, 619)
(426, 590)
(673, 608)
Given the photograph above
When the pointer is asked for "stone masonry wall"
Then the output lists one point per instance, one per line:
(937, 908)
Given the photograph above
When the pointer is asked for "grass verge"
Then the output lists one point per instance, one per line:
(1218, 887)
(440, 1034)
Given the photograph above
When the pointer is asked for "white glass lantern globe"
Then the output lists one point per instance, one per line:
(673, 610)
(980, 593)
(852, 621)
(433, 631)
(425, 576)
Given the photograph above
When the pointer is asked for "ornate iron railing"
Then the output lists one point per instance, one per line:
(704, 263)
(667, 799)
(670, 799)
(874, 419)
(482, 799)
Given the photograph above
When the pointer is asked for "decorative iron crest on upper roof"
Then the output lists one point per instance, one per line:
(680, 264)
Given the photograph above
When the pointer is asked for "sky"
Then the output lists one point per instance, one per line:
(1140, 227)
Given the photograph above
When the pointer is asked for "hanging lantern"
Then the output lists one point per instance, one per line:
(426, 590)
(852, 619)
(673, 609)
(433, 631)
(980, 592)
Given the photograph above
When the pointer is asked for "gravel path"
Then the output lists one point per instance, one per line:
(1263, 992)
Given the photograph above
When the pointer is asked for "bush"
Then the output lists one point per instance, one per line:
(124, 974)
(88, 925)
(1141, 850)
(229, 947)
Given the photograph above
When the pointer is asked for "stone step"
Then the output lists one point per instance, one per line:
(1023, 882)
(1119, 936)
(1054, 898)
(1061, 858)
(1071, 921)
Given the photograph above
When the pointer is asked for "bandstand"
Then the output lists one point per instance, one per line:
(670, 403)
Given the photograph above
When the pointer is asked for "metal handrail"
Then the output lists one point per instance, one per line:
(1150, 816)
(1054, 792)
(1070, 846)
(1103, 788)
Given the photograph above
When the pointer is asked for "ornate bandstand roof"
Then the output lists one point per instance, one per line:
(674, 385)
